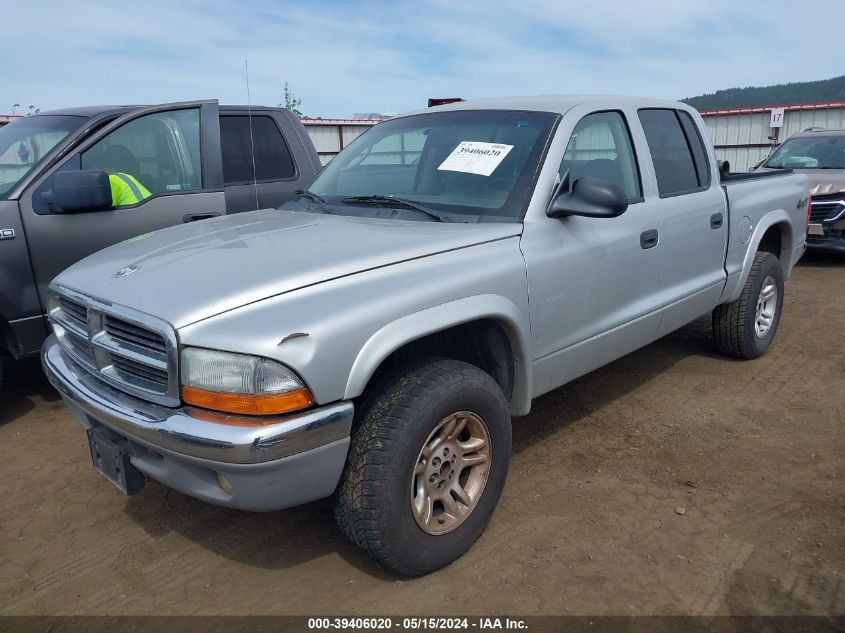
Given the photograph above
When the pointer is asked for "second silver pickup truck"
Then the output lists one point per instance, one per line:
(373, 338)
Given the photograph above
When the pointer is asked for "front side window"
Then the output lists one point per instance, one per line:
(810, 152)
(153, 154)
(473, 165)
(670, 153)
(601, 146)
(26, 141)
(263, 141)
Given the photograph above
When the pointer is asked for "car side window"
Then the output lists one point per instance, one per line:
(672, 153)
(601, 146)
(273, 160)
(159, 151)
(699, 153)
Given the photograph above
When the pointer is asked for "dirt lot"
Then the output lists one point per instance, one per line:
(673, 481)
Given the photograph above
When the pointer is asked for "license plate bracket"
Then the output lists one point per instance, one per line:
(111, 461)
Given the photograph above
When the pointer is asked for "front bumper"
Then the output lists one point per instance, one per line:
(286, 461)
(833, 243)
(827, 236)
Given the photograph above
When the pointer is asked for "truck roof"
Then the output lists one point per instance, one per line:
(94, 110)
(553, 103)
(818, 131)
(87, 111)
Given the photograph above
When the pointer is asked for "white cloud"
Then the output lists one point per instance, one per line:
(369, 56)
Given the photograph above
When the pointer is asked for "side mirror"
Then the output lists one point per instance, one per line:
(590, 197)
(77, 191)
(724, 168)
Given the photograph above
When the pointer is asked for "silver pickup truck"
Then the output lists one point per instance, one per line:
(372, 339)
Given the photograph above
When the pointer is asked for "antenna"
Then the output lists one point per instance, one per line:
(251, 139)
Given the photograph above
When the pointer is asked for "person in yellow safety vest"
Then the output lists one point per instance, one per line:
(126, 190)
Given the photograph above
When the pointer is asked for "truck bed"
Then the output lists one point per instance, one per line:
(738, 176)
(760, 200)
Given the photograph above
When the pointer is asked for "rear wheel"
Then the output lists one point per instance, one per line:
(745, 328)
(426, 467)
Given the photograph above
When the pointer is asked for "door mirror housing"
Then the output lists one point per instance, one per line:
(590, 197)
(77, 191)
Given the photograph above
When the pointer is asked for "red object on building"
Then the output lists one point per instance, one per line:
(438, 102)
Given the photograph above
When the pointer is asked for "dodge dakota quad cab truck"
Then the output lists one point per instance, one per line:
(372, 338)
(193, 160)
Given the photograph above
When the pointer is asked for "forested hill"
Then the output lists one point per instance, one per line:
(781, 94)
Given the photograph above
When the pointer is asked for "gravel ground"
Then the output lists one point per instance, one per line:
(673, 481)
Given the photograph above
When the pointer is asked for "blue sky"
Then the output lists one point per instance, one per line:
(361, 56)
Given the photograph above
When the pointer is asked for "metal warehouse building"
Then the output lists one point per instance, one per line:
(741, 135)
(332, 135)
(329, 135)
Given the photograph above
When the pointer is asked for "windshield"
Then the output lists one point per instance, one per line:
(26, 141)
(461, 166)
(816, 152)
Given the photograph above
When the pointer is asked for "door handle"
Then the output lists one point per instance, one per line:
(193, 217)
(648, 239)
(716, 221)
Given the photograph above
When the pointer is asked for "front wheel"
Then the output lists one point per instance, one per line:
(426, 467)
(5, 364)
(745, 328)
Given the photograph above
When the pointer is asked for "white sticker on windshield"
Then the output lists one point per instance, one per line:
(475, 157)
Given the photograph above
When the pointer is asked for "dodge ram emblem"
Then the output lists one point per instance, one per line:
(125, 272)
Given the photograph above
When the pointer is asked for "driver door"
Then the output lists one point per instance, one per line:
(172, 149)
(594, 283)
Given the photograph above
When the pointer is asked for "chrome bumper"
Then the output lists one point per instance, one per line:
(179, 431)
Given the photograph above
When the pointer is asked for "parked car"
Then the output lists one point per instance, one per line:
(373, 338)
(195, 161)
(820, 154)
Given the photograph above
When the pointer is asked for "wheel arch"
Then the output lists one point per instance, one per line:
(8, 340)
(773, 234)
(484, 330)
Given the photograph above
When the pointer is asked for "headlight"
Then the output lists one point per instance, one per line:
(237, 383)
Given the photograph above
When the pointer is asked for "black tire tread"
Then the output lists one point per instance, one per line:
(5, 364)
(730, 320)
(398, 397)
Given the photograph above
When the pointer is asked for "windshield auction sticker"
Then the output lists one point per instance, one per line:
(475, 157)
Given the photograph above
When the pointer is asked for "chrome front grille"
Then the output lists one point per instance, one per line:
(128, 332)
(76, 312)
(130, 350)
(826, 207)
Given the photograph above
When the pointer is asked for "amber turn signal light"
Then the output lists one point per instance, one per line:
(248, 404)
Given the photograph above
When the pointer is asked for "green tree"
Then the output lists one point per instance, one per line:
(824, 90)
(291, 101)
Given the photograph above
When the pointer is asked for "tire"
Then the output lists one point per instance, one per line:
(381, 502)
(5, 364)
(736, 325)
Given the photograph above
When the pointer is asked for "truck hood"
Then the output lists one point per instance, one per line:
(191, 272)
(822, 182)
(825, 181)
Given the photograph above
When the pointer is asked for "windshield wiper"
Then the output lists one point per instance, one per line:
(390, 201)
(313, 197)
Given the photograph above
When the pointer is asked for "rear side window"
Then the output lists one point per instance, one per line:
(273, 160)
(699, 154)
(673, 161)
